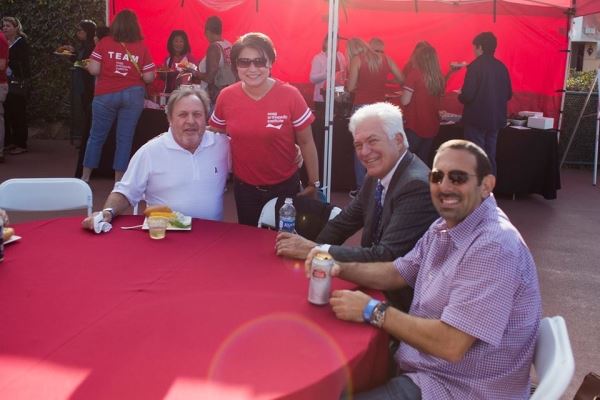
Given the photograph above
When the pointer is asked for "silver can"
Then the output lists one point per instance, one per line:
(319, 288)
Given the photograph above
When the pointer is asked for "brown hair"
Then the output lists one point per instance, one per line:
(483, 166)
(125, 27)
(256, 40)
(425, 59)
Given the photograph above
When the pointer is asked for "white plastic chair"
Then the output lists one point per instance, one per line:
(45, 194)
(553, 359)
(268, 215)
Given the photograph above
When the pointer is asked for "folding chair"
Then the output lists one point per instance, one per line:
(553, 359)
(45, 194)
(311, 215)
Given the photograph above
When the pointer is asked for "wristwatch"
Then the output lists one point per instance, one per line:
(111, 211)
(378, 314)
(316, 184)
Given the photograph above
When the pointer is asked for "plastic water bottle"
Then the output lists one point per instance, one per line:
(287, 216)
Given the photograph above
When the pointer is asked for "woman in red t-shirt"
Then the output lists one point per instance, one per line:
(179, 61)
(122, 65)
(265, 118)
(423, 87)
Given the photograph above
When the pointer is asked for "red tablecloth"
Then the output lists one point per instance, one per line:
(206, 314)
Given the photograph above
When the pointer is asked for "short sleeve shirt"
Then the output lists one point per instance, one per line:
(480, 278)
(262, 131)
(162, 172)
(422, 113)
(117, 70)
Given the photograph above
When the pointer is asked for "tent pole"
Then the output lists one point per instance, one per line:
(333, 21)
(567, 68)
(594, 179)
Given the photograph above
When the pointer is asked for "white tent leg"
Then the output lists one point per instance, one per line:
(595, 175)
(329, 99)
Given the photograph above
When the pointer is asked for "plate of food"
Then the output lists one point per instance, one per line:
(81, 63)
(64, 53)
(185, 66)
(8, 235)
(177, 221)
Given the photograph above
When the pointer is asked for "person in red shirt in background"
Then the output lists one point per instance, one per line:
(122, 64)
(423, 87)
(3, 89)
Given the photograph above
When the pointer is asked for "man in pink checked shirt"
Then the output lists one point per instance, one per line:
(472, 326)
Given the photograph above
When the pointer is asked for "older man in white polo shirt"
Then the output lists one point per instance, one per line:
(185, 168)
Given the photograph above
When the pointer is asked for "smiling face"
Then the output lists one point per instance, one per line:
(188, 122)
(253, 76)
(453, 201)
(178, 45)
(374, 148)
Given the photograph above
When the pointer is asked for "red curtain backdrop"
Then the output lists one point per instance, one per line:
(531, 38)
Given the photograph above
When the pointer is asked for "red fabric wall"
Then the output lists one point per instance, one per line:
(531, 38)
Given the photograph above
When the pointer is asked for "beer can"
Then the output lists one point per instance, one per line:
(319, 288)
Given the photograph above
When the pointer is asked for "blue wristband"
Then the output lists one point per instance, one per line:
(368, 310)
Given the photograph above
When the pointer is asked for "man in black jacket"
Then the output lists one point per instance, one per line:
(393, 208)
(485, 92)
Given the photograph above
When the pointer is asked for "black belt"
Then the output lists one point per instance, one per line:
(268, 188)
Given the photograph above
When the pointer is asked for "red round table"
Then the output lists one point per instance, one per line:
(205, 314)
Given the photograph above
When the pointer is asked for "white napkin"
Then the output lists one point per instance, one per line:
(99, 224)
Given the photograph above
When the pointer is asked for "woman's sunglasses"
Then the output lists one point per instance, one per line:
(457, 177)
(259, 62)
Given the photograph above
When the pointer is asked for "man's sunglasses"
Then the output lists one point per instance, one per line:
(259, 62)
(456, 177)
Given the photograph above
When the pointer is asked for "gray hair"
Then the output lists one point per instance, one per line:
(181, 93)
(388, 114)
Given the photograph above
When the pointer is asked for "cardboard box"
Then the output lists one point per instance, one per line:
(540, 122)
(531, 114)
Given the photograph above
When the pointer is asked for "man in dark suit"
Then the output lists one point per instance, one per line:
(394, 206)
(485, 94)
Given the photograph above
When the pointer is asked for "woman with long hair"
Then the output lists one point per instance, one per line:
(123, 65)
(367, 78)
(423, 88)
(18, 75)
(265, 118)
(180, 53)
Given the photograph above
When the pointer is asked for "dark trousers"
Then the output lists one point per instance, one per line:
(398, 388)
(486, 139)
(250, 199)
(419, 145)
(15, 120)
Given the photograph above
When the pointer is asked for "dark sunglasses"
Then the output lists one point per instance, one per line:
(259, 62)
(456, 177)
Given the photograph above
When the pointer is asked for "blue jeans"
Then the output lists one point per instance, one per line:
(126, 107)
(486, 139)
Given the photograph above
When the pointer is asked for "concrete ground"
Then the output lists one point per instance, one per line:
(563, 235)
